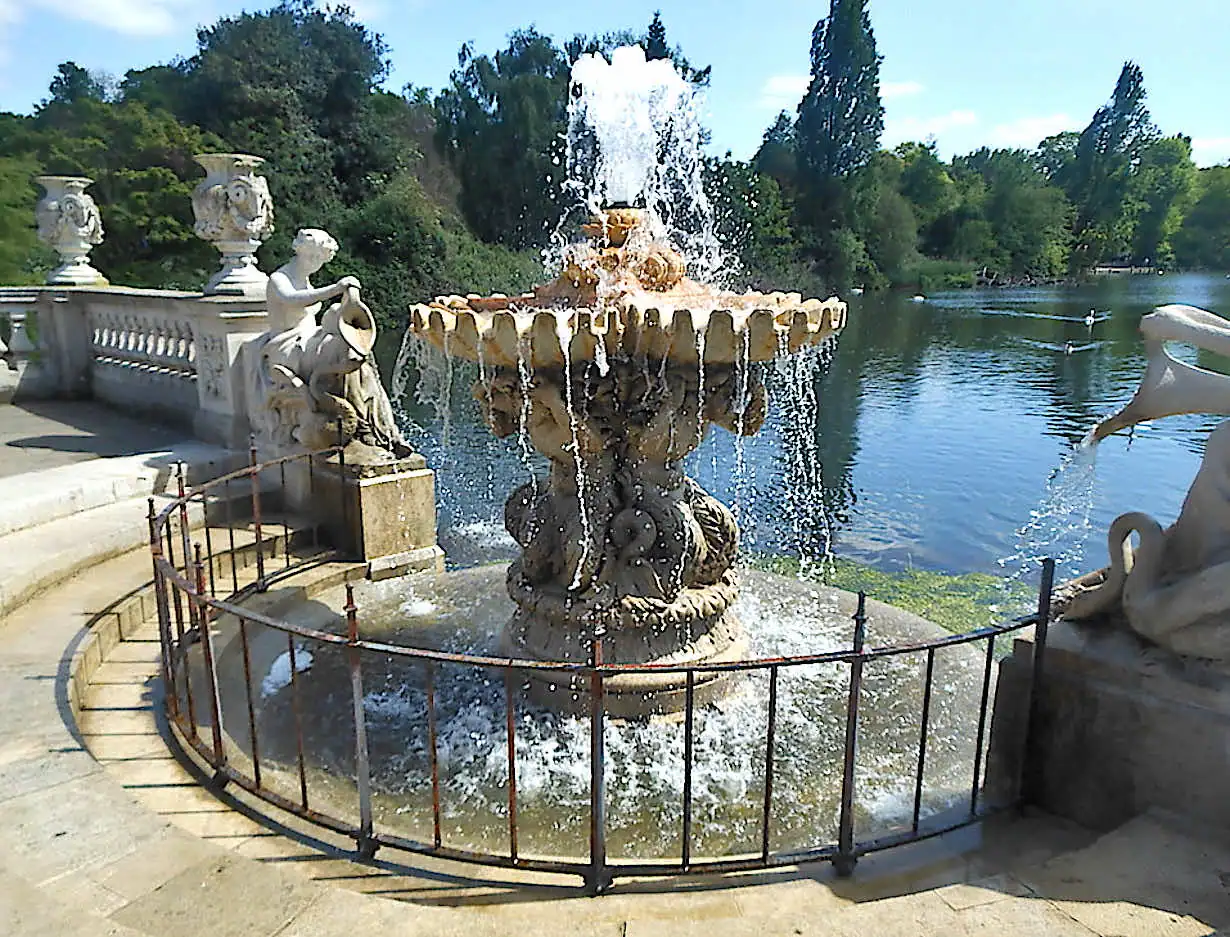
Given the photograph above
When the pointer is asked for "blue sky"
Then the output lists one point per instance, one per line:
(966, 72)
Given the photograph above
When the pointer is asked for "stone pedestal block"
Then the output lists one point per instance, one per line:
(384, 514)
(1121, 727)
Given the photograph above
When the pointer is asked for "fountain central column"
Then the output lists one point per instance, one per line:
(618, 542)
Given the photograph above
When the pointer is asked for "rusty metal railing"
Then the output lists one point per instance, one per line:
(188, 600)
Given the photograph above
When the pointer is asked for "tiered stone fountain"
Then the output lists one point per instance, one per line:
(614, 371)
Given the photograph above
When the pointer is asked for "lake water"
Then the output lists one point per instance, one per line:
(945, 437)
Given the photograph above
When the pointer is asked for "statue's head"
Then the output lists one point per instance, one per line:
(315, 246)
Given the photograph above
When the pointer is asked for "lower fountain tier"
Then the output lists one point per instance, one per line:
(717, 639)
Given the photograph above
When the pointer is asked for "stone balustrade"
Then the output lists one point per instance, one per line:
(169, 354)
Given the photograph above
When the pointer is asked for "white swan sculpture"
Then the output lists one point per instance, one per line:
(1174, 588)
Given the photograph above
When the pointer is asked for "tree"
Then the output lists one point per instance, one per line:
(1107, 153)
(1161, 189)
(841, 116)
(776, 157)
(73, 83)
(501, 122)
(656, 46)
(1203, 239)
(295, 84)
(1056, 155)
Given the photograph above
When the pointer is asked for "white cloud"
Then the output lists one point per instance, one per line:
(903, 129)
(783, 92)
(129, 17)
(1210, 151)
(1030, 131)
(899, 89)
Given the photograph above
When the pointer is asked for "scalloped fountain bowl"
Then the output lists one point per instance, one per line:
(614, 372)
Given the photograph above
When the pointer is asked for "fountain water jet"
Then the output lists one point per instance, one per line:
(614, 371)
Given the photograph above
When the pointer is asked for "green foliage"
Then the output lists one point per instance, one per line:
(956, 603)
(141, 164)
(73, 83)
(500, 123)
(1100, 178)
(454, 194)
(18, 243)
(1203, 239)
(1162, 188)
(841, 116)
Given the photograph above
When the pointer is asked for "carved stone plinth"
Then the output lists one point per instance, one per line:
(234, 212)
(1123, 727)
(69, 223)
(383, 514)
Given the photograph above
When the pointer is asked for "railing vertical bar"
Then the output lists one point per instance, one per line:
(922, 738)
(982, 725)
(209, 546)
(207, 652)
(164, 619)
(510, 710)
(771, 733)
(598, 879)
(247, 686)
(433, 749)
(230, 533)
(184, 525)
(1030, 780)
(689, 716)
(294, 695)
(181, 644)
(254, 476)
(845, 859)
(365, 843)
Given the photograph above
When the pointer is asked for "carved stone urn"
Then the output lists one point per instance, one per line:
(614, 372)
(69, 222)
(234, 212)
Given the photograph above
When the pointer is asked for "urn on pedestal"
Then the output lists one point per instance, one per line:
(234, 212)
(68, 222)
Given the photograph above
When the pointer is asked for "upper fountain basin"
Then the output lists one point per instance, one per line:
(502, 331)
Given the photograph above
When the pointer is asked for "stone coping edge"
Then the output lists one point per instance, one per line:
(124, 618)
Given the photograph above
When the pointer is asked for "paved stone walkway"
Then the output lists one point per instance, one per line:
(104, 832)
(39, 435)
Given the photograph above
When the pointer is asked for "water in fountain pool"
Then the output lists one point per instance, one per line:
(464, 611)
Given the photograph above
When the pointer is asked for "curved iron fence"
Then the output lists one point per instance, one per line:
(191, 580)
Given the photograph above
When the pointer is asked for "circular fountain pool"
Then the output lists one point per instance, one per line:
(464, 612)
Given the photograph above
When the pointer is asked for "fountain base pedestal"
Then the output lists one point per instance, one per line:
(717, 639)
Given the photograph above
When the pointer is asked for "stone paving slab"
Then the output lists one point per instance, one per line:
(39, 435)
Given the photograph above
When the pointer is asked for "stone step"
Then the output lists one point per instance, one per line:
(35, 498)
(36, 558)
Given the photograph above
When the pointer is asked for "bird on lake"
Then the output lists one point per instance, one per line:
(1068, 348)
(918, 299)
(1090, 319)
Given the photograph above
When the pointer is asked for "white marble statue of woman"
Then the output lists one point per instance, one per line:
(314, 383)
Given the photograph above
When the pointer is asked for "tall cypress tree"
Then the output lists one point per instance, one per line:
(1107, 153)
(841, 116)
(655, 39)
